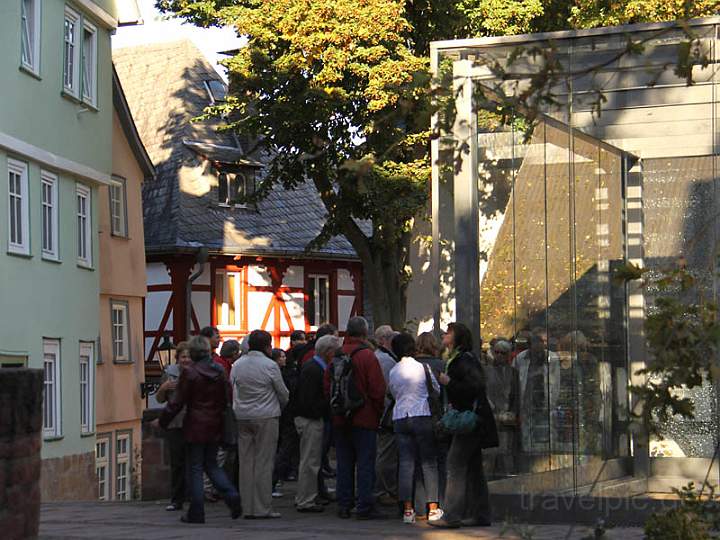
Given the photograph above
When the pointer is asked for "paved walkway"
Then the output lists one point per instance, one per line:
(149, 520)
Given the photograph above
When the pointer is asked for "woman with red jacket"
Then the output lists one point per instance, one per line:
(203, 391)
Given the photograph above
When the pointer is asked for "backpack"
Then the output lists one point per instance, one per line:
(345, 398)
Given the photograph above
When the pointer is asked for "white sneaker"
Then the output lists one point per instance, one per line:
(409, 516)
(435, 515)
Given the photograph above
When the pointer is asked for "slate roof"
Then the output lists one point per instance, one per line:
(164, 85)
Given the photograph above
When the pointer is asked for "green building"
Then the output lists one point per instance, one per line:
(56, 120)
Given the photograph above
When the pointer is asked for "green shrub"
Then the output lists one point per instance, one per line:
(697, 517)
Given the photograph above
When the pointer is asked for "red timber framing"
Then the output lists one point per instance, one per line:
(275, 311)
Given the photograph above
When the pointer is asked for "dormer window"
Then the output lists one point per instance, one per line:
(217, 91)
(235, 187)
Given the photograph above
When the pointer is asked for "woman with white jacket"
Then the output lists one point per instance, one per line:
(413, 426)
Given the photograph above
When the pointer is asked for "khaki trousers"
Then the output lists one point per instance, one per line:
(311, 443)
(257, 445)
(386, 468)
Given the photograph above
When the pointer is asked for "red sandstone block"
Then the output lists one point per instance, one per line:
(13, 526)
(24, 499)
(32, 497)
(32, 521)
(24, 470)
(20, 447)
(5, 448)
(3, 486)
(152, 454)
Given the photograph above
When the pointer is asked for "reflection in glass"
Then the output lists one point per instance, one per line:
(551, 212)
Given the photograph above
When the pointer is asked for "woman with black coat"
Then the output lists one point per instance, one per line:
(467, 501)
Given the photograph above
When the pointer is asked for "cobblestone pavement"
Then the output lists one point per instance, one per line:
(149, 520)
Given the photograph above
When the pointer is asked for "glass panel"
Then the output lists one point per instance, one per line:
(530, 305)
(47, 217)
(551, 212)
(310, 313)
(88, 53)
(69, 52)
(218, 91)
(84, 392)
(26, 14)
(223, 188)
(48, 396)
(14, 191)
(220, 302)
(560, 298)
(680, 217)
(233, 295)
(102, 482)
(121, 480)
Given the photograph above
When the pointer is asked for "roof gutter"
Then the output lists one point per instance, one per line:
(171, 250)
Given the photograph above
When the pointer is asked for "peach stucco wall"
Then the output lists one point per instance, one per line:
(122, 277)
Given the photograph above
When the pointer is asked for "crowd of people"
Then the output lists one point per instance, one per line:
(394, 407)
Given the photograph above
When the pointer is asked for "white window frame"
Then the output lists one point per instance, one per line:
(49, 185)
(89, 60)
(230, 182)
(86, 381)
(71, 83)
(83, 226)
(30, 22)
(52, 425)
(104, 462)
(315, 278)
(126, 460)
(117, 193)
(21, 247)
(120, 330)
(225, 300)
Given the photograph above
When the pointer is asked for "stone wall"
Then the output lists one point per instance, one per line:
(20, 427)
(69, 478)
(155, 459)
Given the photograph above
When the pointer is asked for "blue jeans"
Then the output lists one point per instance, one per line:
(202, 458)
(355, 447)
(416, 447)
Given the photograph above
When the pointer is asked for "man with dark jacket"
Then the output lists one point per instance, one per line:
(356, 436)
(203, 390)
(311, 407)
(386, 468)
(326, 471)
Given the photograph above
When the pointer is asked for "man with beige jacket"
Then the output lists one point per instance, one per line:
(259, 396)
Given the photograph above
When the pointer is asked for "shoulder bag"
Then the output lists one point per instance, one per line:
(436, 405)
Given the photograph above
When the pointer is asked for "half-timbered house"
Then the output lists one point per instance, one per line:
(245, 265)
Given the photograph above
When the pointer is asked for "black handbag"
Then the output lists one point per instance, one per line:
(437, 408)
(386, 420)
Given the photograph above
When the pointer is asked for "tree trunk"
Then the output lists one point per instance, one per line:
(383, 263)
(387, 291)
